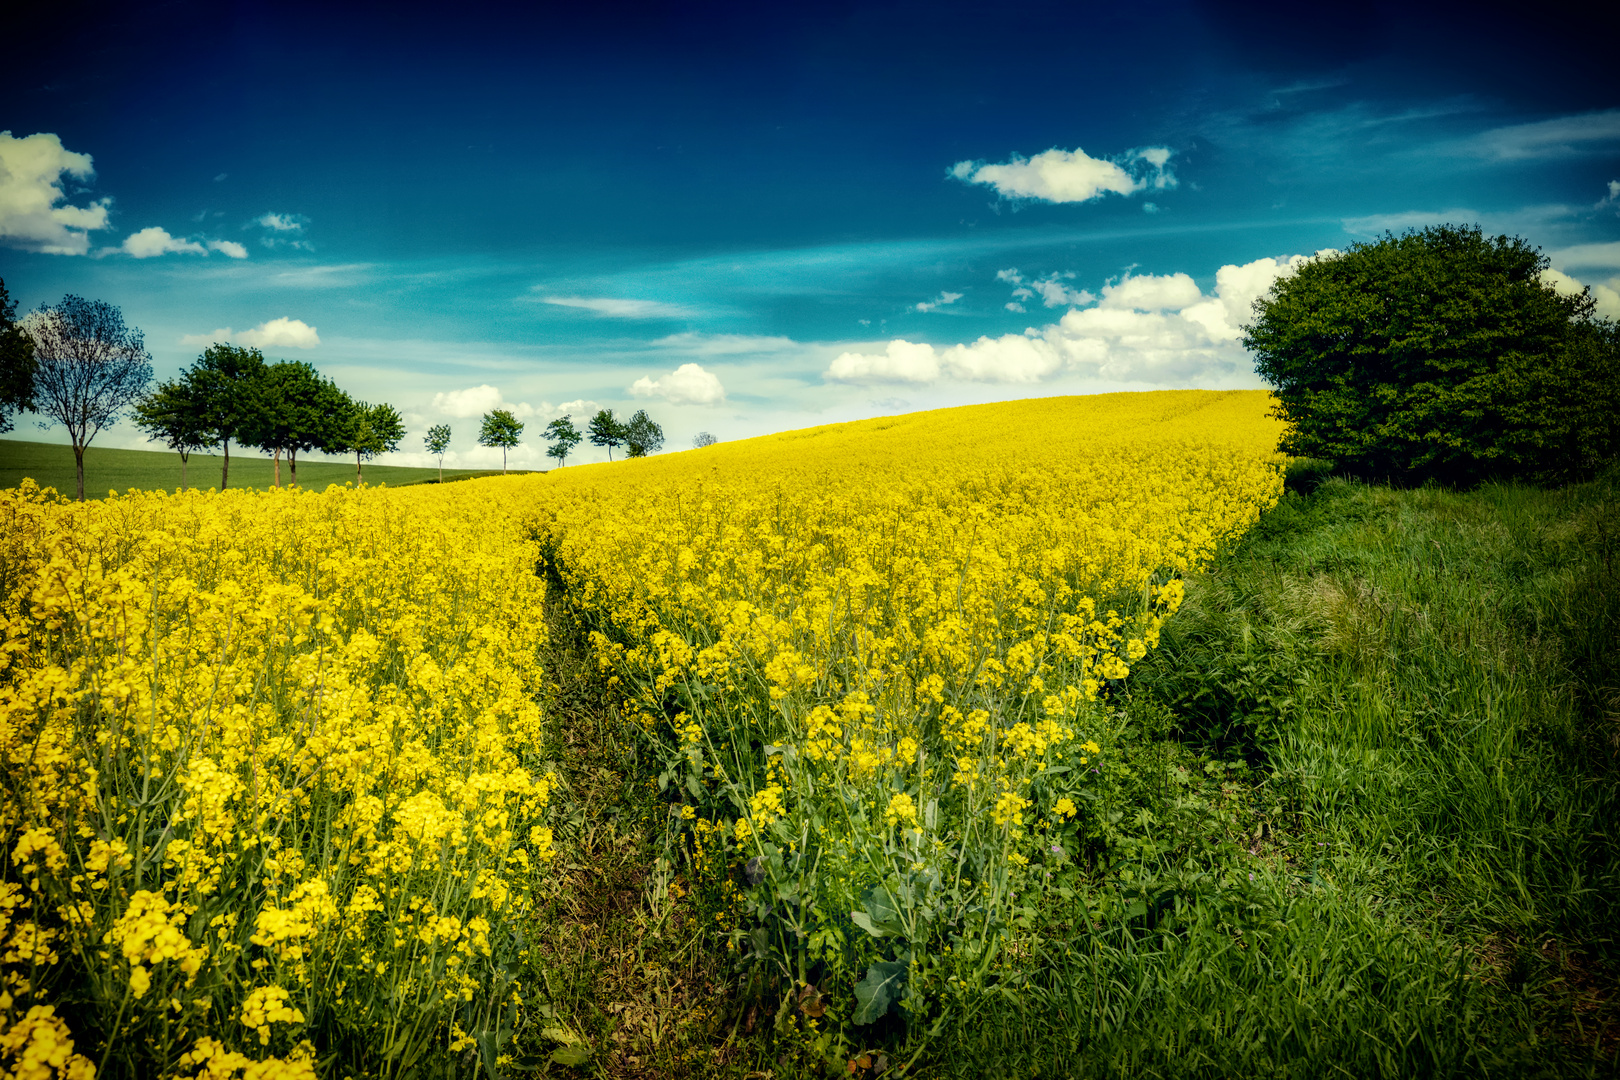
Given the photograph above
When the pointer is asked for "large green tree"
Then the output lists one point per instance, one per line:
(642, 435)
(1439, 354)
(297, 406)
(91, 366)
(17, 363)
(173, 414)
(228, 382)
(500, 428)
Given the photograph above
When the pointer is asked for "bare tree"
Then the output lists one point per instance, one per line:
(91, 368)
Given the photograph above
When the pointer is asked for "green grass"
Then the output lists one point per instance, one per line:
(1416, 695)
(51, 465)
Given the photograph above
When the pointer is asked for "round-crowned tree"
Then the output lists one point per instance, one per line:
(1440, 354)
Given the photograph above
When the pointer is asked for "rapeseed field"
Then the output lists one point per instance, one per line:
(276, 799)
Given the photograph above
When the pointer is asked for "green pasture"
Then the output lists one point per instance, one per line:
(105, 469)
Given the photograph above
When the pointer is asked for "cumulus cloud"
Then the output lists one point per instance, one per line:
(688, 384)
(1066, 176)
(944, 299)
(154, 241)
(475, 401)
(229, 248)
(619, 308)
(1147, 328)
(282, 333)
(1606, 294)
(31, 171)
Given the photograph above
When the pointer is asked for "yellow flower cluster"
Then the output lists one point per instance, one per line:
(273, 770)
(906, 621)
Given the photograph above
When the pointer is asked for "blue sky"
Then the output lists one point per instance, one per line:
(745, 218)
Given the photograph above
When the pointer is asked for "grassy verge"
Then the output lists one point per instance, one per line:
(1369, 822)
(51, 465)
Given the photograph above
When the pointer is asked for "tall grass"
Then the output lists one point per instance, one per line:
(1416, 693)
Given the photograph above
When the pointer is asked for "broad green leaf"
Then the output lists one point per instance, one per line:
(880, 989)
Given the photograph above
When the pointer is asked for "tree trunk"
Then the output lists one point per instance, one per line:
(185, 456)
(357, 475)
(292, 466)
(441, 470)
(78, 460)
(225, 469)
(278, 466)
(503, 471)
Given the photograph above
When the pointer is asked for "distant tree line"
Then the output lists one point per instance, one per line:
(77, 364)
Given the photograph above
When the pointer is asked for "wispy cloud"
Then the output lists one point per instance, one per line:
(1563, 136)
(1587, 256)
(331, 276)
(944, 299)
(620, 308)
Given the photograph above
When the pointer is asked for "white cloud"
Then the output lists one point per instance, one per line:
(31, 171)
(688, 384)
(1606, 294)
(1151, 293)
(726, 344)
(1152, 328)
(228, 247)
(1378, 224)
(1065, 176)
(1050, 289)
(619, 308)
(944, 299)
(1563, 136)
(282, 333)
(476, 401)
(153, 241)
(1595, 256)
(902, 361)
(1014, 306)
(281, 222)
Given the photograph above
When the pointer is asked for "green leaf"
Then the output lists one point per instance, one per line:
(577, 1054)
(864, 921)
(880, 989)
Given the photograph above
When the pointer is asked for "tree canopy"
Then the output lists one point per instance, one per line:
(500, 428)
(642, 436)
(296, 410)
(563, 436)
(90, 367)
(173, 414)
(17, 363)
(372, 430)
(605, 430)
(1439, 354)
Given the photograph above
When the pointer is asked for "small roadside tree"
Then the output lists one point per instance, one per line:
(500, 428)
(437, 441)
(1439, 354)
(605, 430)
(173, 414)
(17, 363)
(90, 367)
(642, 436)
(563, 436)
(702, 439)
